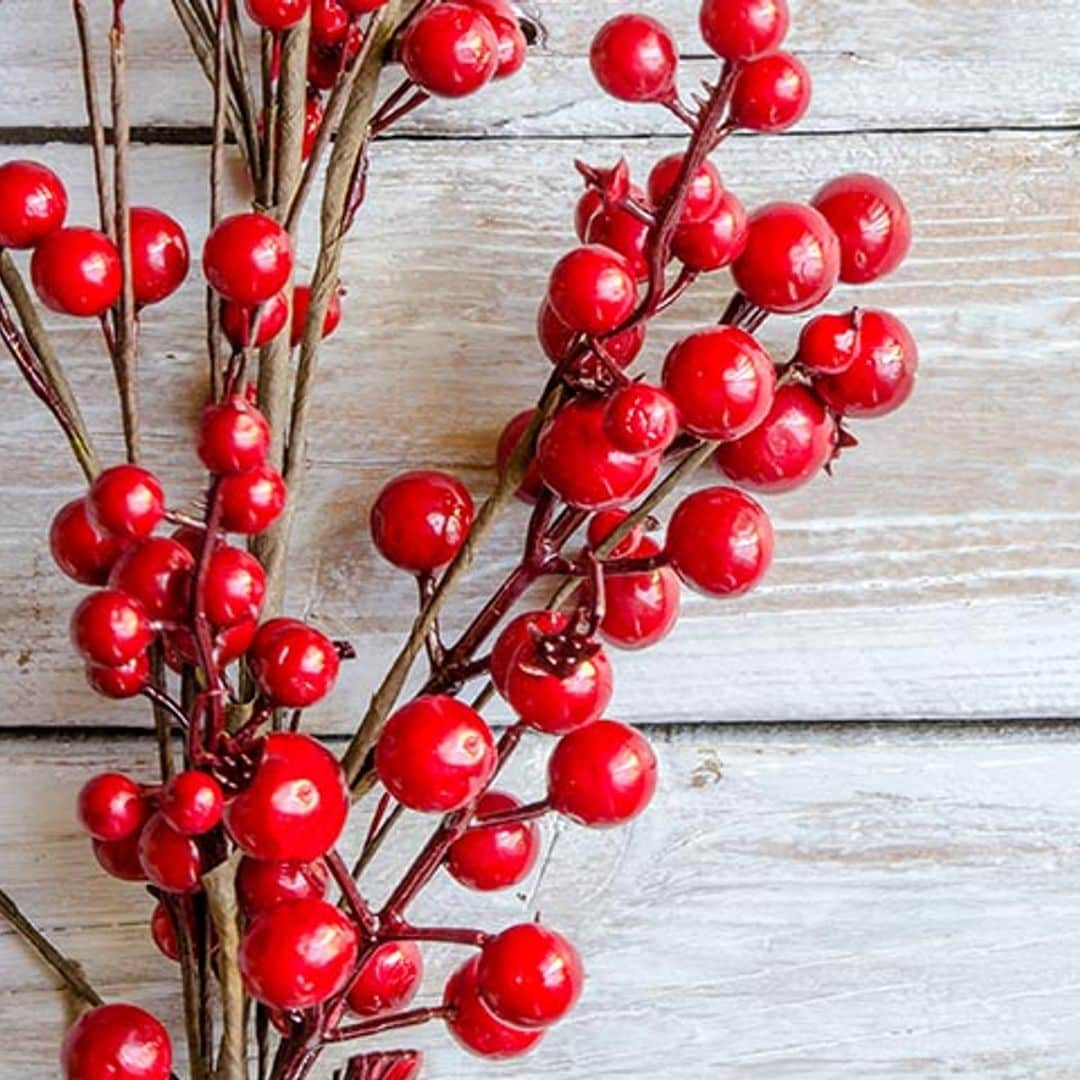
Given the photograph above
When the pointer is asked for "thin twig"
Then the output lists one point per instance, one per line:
(220, 886)
(93, 116)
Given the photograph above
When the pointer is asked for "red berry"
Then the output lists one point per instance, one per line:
(251, 501)
(277, 14)
(531, 484)
(721, 380)
(602, 775)
(512, 44)
(159, 255)
(473, 1024)
(641, 419)
(325, 65)
(720, 541)
(435, 754)
(388, 979)
(329, 23)
(229, 644)
(157, 572)
(582, 466)
(76, 271)
(420, 520)
(882, 375)
(80, 549)
(872, 222)
(703, 196)
(116, 1042)
(110, 628)
(296, 804)
(33, 203)
(234, 587)
(516, 633)
(489, 857)
(248, 258)
(170, 860)
(120, 682)
(592, 289)
(588, 204)
(450, 50)
(192, 802)
(788, 448)
(633, 58)
(828, 343)
(234, 437)
(529, 976)
(603, 523)
(791, 260)
(623, 232)
(164, 933)
(126, 501)
(294, 665)
(715, 242)
(743, 29)
(111, 806)
(362, 7)
(298, 954)
(270, 317)
(771, 93)
(640, 609)
(557, 339)
(261, 885)
(301, 300)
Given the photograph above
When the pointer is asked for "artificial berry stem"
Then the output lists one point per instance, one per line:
(353, 897)
(387, 1023)
(515, 815)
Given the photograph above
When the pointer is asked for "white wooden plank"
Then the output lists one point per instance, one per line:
(825, 904)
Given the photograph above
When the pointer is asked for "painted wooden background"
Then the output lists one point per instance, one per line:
(875, 899)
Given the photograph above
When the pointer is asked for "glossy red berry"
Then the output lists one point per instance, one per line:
(828, 343)
(582, 466)
(715, 242)
(314, 111)
(296, 804)
(157, 572)
(229, 644)
(120, 858)
(512, 47)
(557, 339)
(602, 775)
(76, 271)
(529, 975)
(388, 979)
(721, 380)
(79, 547)
(633, 58)
(298, 954)
(743, 29)
(772, 93)
(362, 7)
(251, 501)
(164, 933)
(116, 1042)
(720, 541)
(489, 857)
(703, 196)
(641, 419)
(592, 289)
(277, 14)
(603, 523)
(126, 501)
(261, 885)
(33, 203)
(420, 520)
(472, 1023)
(623, 232)
(110, 628)
(294, 665)
(270, 319)
(516, 633)
(329, 23)
(234, 587)
(531, 484)
(301, 300)
(192, 802)
(790, 446)
(325, 65)
(872, 222)
(159, 255)
(791, 260)
(234, 436)
(170, 860)
(435, 754)
(450, 50)
(124, 681)
(248, 258)
(882, 375)
(111, 806)
(640, 609)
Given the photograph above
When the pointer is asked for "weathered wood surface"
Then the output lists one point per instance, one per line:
(795, 904)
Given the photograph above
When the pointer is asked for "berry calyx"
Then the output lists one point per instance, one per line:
(490, 857)
(640, 609)
(721, 380)
(170, 860)
(828, 343)
(771, 93)
(529, 975)
(239, 322)
(277, 14)
(450, 50)
(704, 193)
(388, 979)
(743, 29)
(111, 806)
(234, 587)
(435, 754)
(247, 258)
(33, 203)
(592, 289)
(602, 775)
(123, 681)
(641, 419)
(164, 933)
(294, 664)
(633, 57)
(261, 884)
(790, 446)
(298, 954)
(516, 633)
(720, 541)
(531, 484)
(420, 520)
(82, 551)
(76, 271)
(126, 501)
(715, 242)
(159, 255)
(110, 628)
(192, 802)
(300, 303)
(474, 1026)
(234, 437)
(251, 501)
(116, 1042)
(157, 572)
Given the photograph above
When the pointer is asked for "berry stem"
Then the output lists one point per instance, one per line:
(93, 116)
(515, 814)
(353, 897)
(364, 1028)
(447, 935)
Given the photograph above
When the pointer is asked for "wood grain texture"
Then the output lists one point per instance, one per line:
(823, 905)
